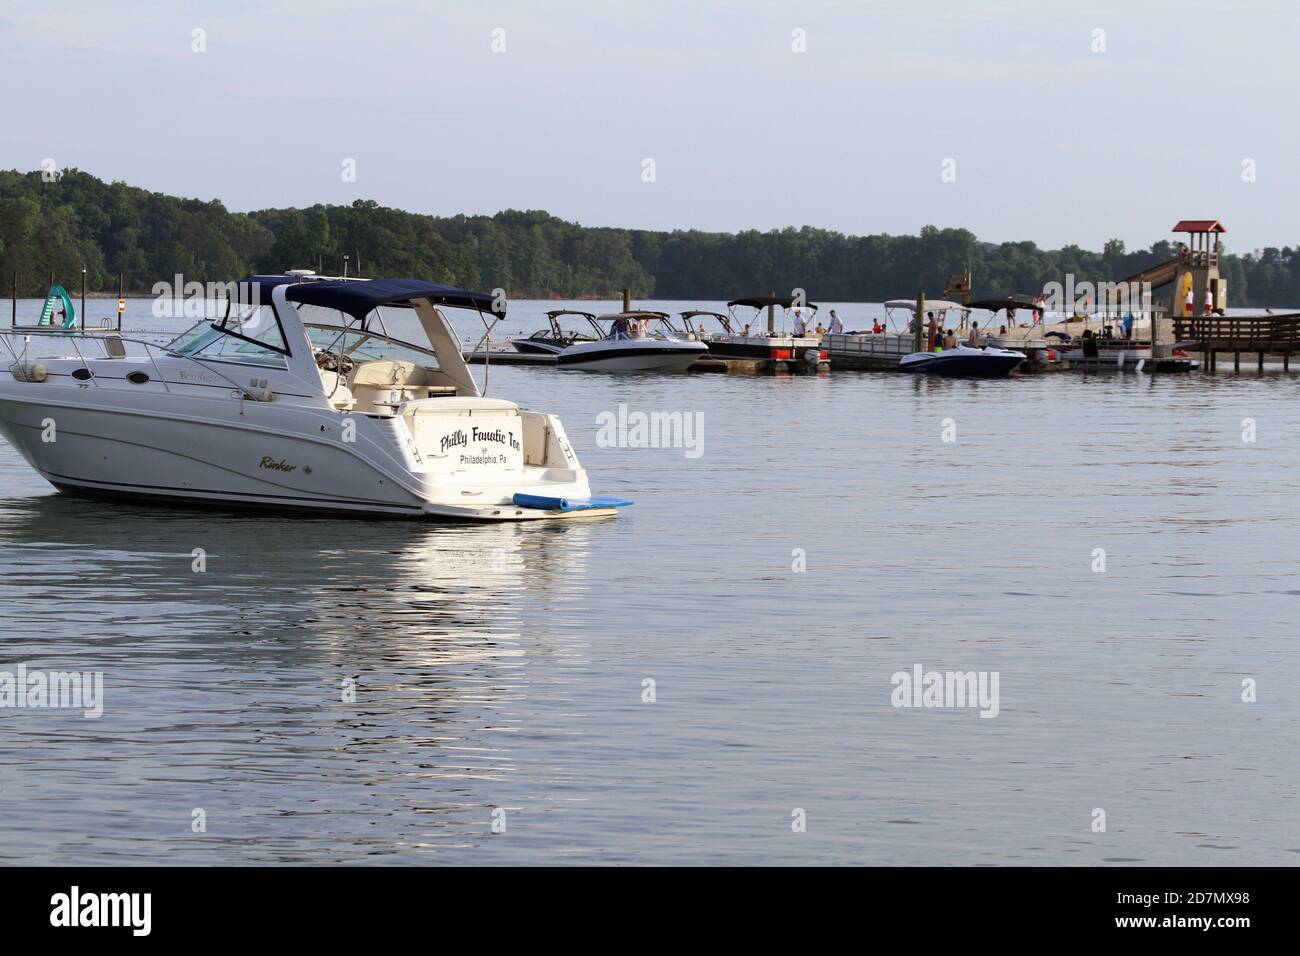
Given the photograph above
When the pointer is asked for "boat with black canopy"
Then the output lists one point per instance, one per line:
(742, 338)
(554, 339)
(305, 394)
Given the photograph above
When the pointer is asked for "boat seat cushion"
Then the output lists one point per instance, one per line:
(388, 373)
(339, 395)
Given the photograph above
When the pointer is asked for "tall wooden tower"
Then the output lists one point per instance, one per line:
(1198, 269)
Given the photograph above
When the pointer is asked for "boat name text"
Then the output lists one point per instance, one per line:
(270, 463)
(459, 439)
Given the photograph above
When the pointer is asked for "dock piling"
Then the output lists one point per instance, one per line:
(920, 313)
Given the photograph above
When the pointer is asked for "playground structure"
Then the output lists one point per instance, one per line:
(1193, 274)
(1198, 304)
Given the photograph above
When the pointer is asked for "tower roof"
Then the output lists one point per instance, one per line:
(1199, 225)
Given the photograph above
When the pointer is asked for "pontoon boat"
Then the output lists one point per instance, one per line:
(772, 343)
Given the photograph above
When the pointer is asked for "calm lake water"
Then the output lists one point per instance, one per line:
(502, 668)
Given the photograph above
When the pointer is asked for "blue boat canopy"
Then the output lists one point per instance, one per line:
(360, 297)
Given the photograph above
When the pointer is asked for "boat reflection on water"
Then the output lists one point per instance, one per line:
(259, 575)
(386, 661)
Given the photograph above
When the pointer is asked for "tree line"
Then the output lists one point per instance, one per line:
(60, 224)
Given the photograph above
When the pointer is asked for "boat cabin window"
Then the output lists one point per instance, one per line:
(256, 324)
(245, 333)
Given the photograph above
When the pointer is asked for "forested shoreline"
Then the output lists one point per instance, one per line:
(77, 219)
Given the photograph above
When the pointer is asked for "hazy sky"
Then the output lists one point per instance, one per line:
(1050, 140)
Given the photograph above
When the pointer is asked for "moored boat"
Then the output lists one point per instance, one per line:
(963, 361)
(632, 342)
(554, 339)
(741, 340)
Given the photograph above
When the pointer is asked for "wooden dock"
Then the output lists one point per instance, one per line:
(1263, 335)
(507, 357)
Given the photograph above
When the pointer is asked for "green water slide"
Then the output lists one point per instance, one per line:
(58, 305)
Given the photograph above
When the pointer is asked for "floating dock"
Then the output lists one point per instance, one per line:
(507, 357)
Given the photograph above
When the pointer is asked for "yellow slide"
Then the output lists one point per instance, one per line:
(1158, 275)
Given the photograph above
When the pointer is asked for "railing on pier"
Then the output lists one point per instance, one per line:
(1200, 258)
(1268, 334)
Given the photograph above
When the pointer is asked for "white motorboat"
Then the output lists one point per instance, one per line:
(554, 339)
(307, 394)
(964, 361)
(630, 342)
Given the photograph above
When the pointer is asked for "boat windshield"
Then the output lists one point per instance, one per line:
(634, 325)
(362, 347)
(245, 333)
(386, 334)
(704, 324)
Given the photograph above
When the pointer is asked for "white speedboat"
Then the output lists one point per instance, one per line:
(630, 342)
(555, 339)
(964, 362)
(307, 394)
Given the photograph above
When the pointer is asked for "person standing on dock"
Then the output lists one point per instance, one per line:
(1209, 301)
(1191, 302)
(836, 325)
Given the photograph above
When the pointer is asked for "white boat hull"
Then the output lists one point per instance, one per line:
(286, 457)
(632, 355)
(963, 362)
